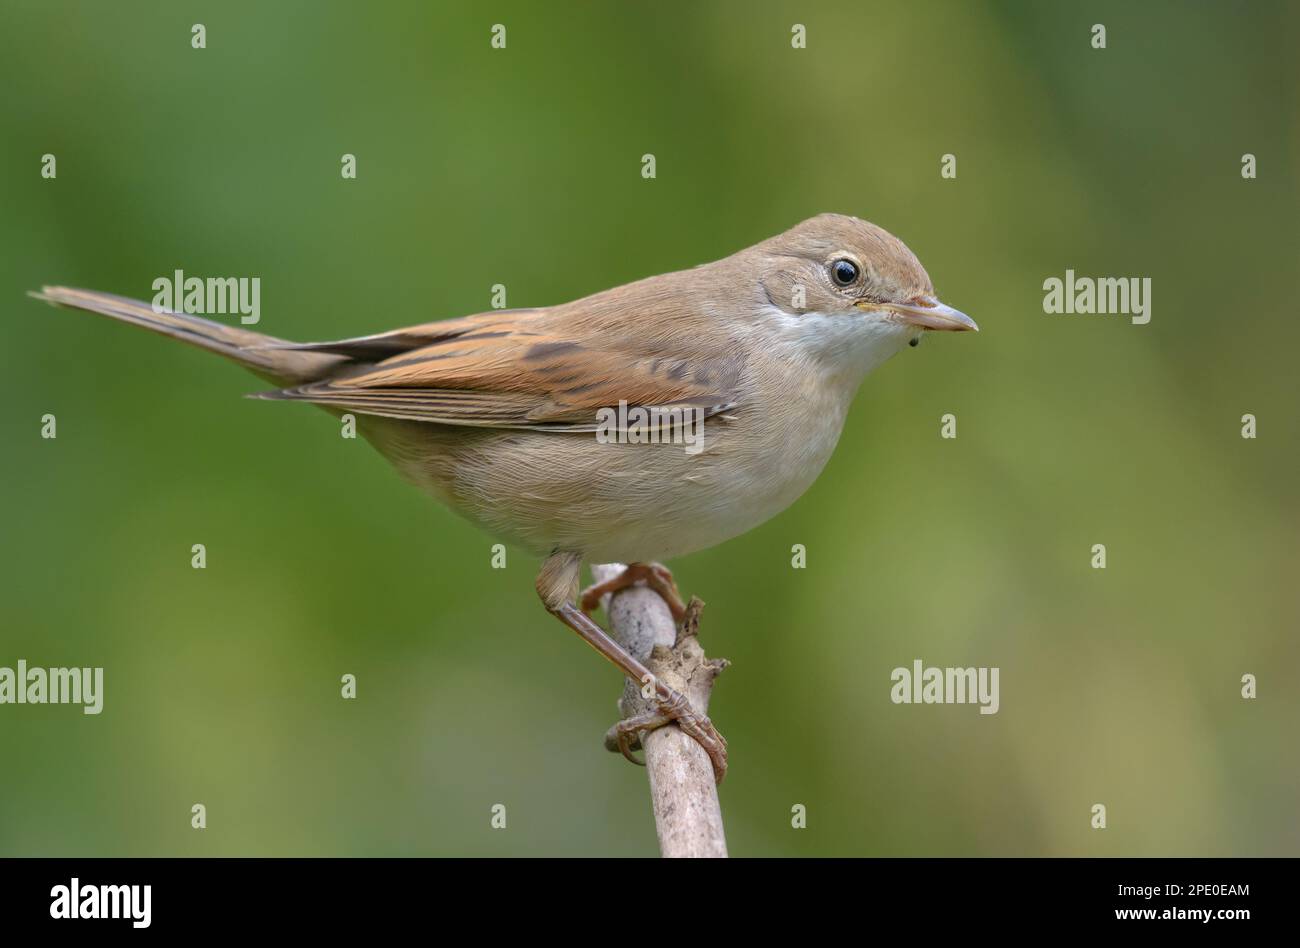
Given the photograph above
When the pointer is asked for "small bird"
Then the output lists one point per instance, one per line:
(504, 416)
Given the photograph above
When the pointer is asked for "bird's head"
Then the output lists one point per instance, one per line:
(843, 284)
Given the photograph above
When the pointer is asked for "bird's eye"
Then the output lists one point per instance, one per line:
(844, 272)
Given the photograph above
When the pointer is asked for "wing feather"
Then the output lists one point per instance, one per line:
(516, 369)
(383, 345)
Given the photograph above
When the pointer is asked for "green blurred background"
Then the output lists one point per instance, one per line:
(522, 166)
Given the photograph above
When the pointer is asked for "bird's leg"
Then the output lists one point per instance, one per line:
(655, 575)
(672, 707)
(556, 584)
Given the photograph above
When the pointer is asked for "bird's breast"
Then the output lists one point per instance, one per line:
(626, 501)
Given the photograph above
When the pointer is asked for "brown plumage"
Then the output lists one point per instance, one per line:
(500, 415)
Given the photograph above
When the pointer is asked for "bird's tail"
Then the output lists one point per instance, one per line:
(253, 350)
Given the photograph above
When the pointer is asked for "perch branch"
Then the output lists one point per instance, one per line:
(683, 793)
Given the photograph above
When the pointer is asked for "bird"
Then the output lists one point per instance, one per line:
(518, 419)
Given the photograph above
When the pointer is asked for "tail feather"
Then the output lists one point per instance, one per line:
(260, 354)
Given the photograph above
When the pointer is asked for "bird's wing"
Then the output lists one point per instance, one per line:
(518, 369)
(396, 341)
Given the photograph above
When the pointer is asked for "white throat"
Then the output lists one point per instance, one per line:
(845, 346)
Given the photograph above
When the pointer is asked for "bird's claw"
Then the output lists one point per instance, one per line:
(654, 575)
(672, 708)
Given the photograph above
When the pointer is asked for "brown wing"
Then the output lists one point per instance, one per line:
(516, 370)
(394, 342)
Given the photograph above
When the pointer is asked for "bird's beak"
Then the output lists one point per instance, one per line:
(928, 313)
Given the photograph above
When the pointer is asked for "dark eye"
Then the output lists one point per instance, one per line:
(844, 272)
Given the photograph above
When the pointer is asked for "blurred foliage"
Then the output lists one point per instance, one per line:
(522, 167)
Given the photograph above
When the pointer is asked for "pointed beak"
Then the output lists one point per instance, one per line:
(928, 313)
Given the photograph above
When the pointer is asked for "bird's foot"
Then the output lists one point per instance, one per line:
(670, 708)
(687, 662)
(655, 575)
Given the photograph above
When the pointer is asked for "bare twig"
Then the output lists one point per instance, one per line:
(683, 794)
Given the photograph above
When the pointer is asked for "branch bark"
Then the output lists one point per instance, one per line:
(683, 794)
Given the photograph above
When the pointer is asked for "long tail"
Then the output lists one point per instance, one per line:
(253, 350)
